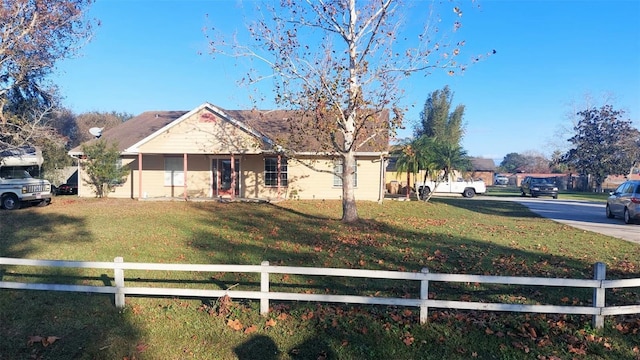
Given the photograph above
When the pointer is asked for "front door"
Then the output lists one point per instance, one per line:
(226, 178)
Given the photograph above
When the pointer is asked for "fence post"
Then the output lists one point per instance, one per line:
(118, 275)
(264, 288)
(599, 273)
(424, 296)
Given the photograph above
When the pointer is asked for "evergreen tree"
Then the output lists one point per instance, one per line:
(102, 166)
(603, 144)
(436, 120)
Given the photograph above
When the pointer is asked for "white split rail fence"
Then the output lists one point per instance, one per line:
(598, 309)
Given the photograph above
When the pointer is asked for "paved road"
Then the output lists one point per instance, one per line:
(582, 215)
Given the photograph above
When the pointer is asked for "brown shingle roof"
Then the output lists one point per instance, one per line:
(277, 125)
(482, 164)
(282, 127)
(137, 128)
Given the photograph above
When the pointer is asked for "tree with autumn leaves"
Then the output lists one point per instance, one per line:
(34, 36)
(341, 63)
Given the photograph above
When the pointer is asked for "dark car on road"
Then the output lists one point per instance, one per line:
(624, 202)
(539, 186)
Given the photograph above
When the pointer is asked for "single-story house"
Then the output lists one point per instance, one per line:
(483, 169)
(209, 152)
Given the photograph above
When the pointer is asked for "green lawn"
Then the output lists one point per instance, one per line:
(451, 235)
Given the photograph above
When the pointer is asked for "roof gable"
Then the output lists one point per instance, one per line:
(268, 127)
(202, 110)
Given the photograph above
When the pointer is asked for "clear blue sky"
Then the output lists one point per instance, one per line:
(152, 55)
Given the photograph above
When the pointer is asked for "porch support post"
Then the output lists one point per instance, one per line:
(382, 179)
(139, 176)
(233, 177)
(184, 165)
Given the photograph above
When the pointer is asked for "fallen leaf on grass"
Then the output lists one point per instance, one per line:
(270, 323)
(33, 339)
(136, 309)
(251, 329)
(141, 347)
(307, 316)
(577, 350)
(235, 324)
(44, 340)
(408, 339)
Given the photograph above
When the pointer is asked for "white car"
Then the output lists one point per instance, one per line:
(501, 180)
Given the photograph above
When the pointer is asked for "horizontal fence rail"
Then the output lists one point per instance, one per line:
(599, 284)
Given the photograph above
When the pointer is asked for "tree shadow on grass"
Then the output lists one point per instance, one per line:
(422, 237)
(61, 325)
(257, 347)
(49, 324)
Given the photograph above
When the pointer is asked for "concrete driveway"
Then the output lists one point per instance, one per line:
(583, 215)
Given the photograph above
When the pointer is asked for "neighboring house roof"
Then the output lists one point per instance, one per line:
(482, 164)
(274, 126)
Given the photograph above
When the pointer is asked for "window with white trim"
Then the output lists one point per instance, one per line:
(337, 173)
(173, 171)
(272, 172)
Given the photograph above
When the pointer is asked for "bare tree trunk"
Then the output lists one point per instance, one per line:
(408, 186)
(349, 209)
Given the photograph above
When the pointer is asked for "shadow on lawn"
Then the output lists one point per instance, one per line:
(396, 237)
(54, 325)
(289, 237)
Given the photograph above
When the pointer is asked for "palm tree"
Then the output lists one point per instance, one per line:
(443, 159)
(407, 161)
(438, 159)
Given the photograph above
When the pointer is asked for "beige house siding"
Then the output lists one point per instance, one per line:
(202, 133)
(205, 138)
(304, 182)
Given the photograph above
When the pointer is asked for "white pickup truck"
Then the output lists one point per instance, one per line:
(467, 189)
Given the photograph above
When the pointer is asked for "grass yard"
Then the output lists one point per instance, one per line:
(446, 235)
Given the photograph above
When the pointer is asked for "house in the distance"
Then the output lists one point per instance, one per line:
(209, 152)
(483, 169)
